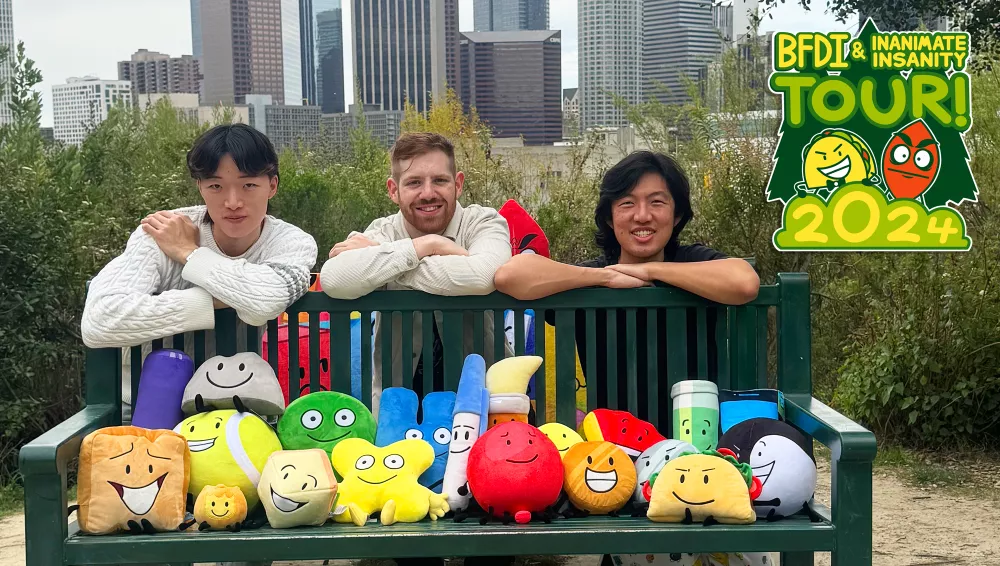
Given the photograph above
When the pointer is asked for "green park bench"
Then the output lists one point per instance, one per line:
(740, 338)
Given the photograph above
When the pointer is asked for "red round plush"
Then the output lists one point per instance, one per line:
(514, 468)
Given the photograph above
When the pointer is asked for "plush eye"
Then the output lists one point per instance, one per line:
(128, 469)
(365, 462)
(344, 417)
(466, 435)
(227, 504)
(150, 468)
(647, 463)
(213, 504)
(611, 461)
(624, 430)
(564, 435)
(687, 431)
(393, 461)
(923, 159)
(220, 366)
(218, 424)
(900, 154)
(703, 433)
(531, 442)
(508, 443)
(311, 419)
(456, 435)
(441, 436)
(192, 428)
(706, 478)
(243, 367)
(682, 478)
(590, 460)
(414, 434)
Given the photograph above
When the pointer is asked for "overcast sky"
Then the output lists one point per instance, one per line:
(69, 38)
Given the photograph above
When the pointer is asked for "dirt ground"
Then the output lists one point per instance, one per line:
(914, 526)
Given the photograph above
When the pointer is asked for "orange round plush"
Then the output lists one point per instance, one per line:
(220, 507)
(500, 418)
(599, 476)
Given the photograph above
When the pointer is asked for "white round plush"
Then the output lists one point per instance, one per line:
(787, 473)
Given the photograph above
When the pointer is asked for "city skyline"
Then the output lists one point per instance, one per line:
(76, 51)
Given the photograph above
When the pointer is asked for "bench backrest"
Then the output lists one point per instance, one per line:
(738, 342)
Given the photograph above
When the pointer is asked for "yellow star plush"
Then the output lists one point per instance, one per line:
(385, 479)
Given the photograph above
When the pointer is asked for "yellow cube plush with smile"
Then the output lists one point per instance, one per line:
(297, 488)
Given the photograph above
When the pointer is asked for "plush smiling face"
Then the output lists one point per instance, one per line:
(398, 421)
(130, 474)
(245, 375)
(599, 477)
(698, 486)
(220, 506)
(322, 419)
(629, 433)
(297, 488)
(228, 448)
(653, 459)
(514, 467)
(561, 435)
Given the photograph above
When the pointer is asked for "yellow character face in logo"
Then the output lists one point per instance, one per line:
(834, 158)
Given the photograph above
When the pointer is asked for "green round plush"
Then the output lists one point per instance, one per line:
(322, 419)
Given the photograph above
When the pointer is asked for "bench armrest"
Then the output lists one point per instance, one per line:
(49, 453)
(847, 440)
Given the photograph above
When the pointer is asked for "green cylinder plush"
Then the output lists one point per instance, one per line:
(696, 413)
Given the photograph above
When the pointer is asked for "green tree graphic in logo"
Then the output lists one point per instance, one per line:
(871, 154)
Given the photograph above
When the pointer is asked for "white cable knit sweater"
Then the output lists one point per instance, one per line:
(143, 295)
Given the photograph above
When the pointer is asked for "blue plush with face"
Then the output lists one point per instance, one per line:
(397, 420)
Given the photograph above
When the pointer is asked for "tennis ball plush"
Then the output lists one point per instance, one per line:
(229, 448)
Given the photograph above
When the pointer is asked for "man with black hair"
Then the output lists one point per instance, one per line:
(643, 206)
(179, 265)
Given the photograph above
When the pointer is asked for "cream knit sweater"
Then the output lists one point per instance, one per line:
(143, 295)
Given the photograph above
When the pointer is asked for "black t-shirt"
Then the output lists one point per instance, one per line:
(691, 253)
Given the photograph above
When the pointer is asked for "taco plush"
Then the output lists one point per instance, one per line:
(707, 487)
(132, 479)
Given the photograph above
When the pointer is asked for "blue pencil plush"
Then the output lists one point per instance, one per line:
(397, 420)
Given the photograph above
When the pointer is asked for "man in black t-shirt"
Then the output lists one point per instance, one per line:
(643, 206)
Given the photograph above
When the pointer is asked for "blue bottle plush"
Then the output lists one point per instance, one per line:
(739, 406)
(397, 420)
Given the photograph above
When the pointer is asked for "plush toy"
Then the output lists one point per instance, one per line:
(629, 433)
(738, 406)
(708, 487)
(385, 479)
(550, 378)
(165, 374)
(699, 559)
(297, 488)
(220, 508)
(695, 405)
(245, 375)
(507, 381)
(397, 419)
(469, 421)
(526, 236)
(598, 477)
(322, 419)
(228, 447)
(561, 435)
(652, 460)
(514, 471)
(132, 479)
(780, 457)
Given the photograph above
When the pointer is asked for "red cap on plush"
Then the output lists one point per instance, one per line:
(526, 235)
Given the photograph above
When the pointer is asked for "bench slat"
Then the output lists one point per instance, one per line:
(590, 369)
(340, 352)
(652, 373)
(632, 387)
(385, 329)
(677, 360)
(565, 368)
(316, 354)
(722, 378)
(427, 350)
(702, 353)
(611, 318)
(294, 363)
(453, 337)
(479, 334)
(406, 360)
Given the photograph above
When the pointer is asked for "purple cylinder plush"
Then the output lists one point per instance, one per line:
(165, 374)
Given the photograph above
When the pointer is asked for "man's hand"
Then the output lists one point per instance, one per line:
(636, 270)
(630, 278)
(433, 244)
(355, 242)
(175, 234)
(219, 304)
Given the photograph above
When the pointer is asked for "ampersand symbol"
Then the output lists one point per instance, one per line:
(857, 50)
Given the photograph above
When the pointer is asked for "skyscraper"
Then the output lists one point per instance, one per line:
(83, 103)
(610, 59)
(151, 72)
(513, 79)
(245, 47)
(399, 51)
(322, 54)
(6, 40)
(680, 41)
(510, 15)
(451, 41)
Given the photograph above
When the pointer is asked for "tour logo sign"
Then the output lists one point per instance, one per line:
(871, 154)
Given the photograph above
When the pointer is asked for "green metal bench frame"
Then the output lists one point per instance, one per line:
(741, 339)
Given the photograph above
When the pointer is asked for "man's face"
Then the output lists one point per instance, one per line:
(643, 220)
(237, 202)
(426, 191)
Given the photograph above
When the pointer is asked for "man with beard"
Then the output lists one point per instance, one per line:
(433, 244)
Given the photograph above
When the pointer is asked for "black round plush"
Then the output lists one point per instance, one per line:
(781, 457)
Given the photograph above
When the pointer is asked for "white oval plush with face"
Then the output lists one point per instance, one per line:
(787, 473)
(245, 375)
(652, 460)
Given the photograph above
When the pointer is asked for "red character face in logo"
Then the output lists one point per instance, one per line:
(911, 161)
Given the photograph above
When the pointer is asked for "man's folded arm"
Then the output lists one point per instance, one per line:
(355, 273)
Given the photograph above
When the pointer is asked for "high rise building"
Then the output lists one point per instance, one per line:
(6, 71)
(571, 112)
(513, 79)
(151, 72)
(399, 52)
(285, 126)
(82, 103)
(680, 41)
(732, 18)
(247, 47)
(322, 54)
(452, 76)
(609, 51)
(384, 125)
(510, 15)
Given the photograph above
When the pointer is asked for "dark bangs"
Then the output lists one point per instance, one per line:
(251, 150)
